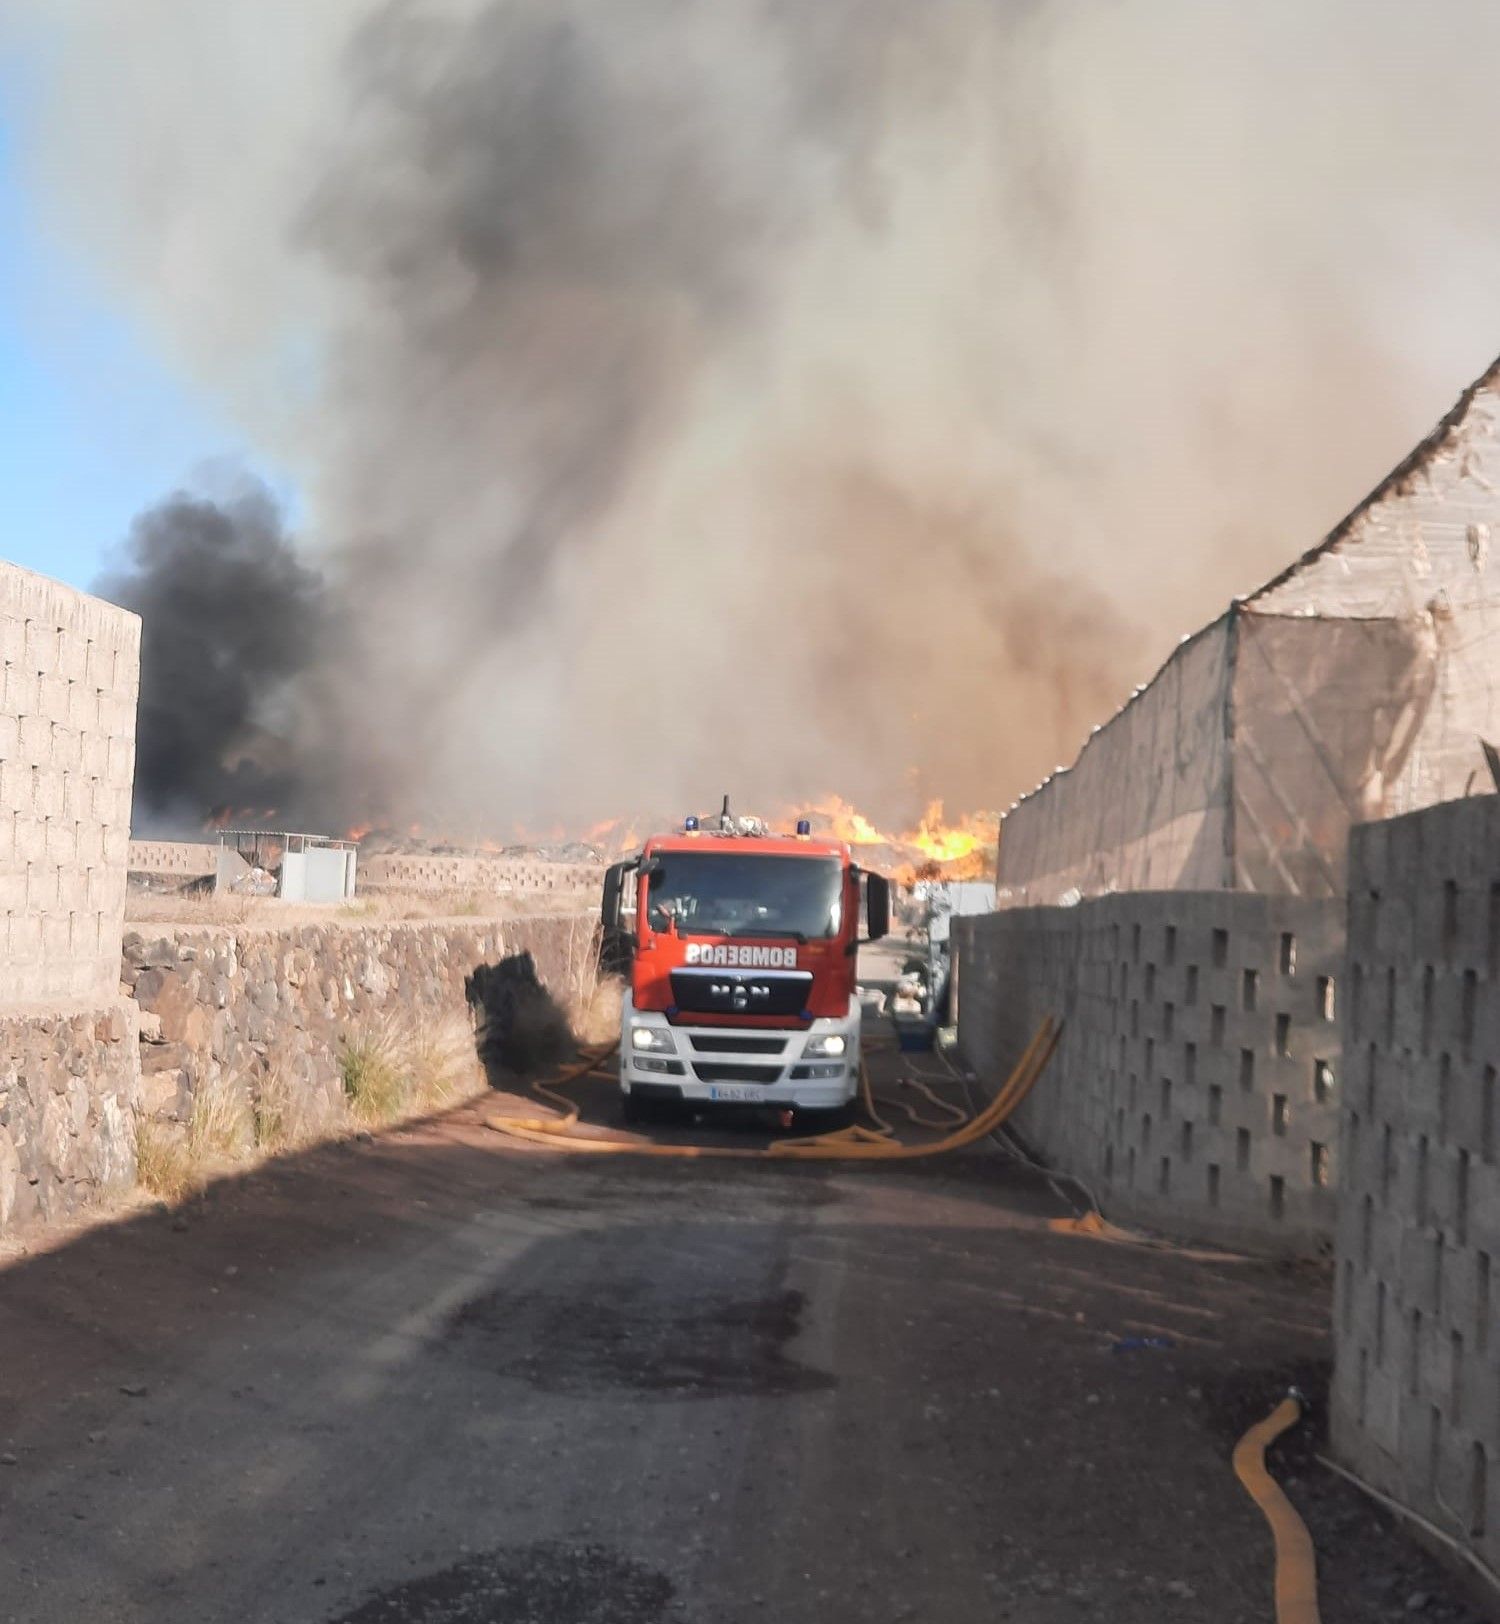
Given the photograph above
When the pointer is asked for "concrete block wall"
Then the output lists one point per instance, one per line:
(69, 675)
(1195, 1087)
(1416, 1395)
(191, 859)
(502, 875)
(396, 872)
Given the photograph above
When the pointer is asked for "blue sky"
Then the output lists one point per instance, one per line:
(92, 427)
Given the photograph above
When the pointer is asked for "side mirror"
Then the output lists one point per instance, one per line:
(614, 891)
(877, 906)
(616, 938)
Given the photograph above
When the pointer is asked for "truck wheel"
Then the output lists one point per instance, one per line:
(637, 1110)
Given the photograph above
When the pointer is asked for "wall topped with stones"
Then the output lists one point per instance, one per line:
(69, 674)
(1194, 1089)
(249, 1007)
(1416, 1401)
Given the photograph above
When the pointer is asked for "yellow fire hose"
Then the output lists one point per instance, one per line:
(847, 1144)
(1296, 1565)
(1296, 1587)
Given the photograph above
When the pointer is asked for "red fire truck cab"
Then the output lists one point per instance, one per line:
(742, 951)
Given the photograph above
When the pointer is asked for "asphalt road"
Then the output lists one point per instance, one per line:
(437, 1378)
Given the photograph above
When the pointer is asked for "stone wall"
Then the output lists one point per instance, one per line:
(69, 673)
(1195, 1085)
(1416, 1402)
(68, 1090)
(237, 1006)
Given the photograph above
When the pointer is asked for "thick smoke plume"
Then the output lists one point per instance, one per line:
(858, 395)
(230, 619)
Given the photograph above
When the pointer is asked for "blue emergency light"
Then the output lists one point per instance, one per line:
(804, 827)
(690, 825)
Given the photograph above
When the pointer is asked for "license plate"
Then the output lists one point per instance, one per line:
(737, 1092)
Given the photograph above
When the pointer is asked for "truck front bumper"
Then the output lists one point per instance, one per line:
(733, 1065)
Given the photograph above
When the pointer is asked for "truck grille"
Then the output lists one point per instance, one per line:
(709, 1044)
(730, 1071)
(742, 992)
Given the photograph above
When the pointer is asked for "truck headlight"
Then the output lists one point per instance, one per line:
(832, 1046)
(652, 1040)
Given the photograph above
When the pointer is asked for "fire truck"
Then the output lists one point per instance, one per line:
(741, 948)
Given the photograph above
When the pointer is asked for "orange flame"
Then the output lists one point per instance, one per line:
(847, 823)
(941, 842)
(613, 835)
(935, 839)
(962, 847)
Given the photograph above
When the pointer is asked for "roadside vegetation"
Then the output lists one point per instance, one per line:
(174, 1160)
(389, 1070)
(401, 1068)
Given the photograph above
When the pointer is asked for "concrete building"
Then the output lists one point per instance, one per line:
(1354, 686)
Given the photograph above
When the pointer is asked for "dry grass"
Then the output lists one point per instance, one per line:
(592, 1000)
(399, 1067)
(392, 1070)
(441, 1060)
(164, 1160)
(599, 1020)
(174, 1161)
(196, 908)
(222, 1127)
(283, 1118)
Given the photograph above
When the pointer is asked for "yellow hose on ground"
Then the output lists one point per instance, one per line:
(953, 1116)
(848, 1144)
(1296, 1565)
(1095, 1225)
(545, 1088)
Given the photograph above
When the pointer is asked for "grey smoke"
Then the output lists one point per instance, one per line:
(855, 396)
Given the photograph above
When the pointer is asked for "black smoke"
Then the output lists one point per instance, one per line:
(230, 621)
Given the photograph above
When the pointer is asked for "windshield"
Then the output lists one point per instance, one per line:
(736, 894)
